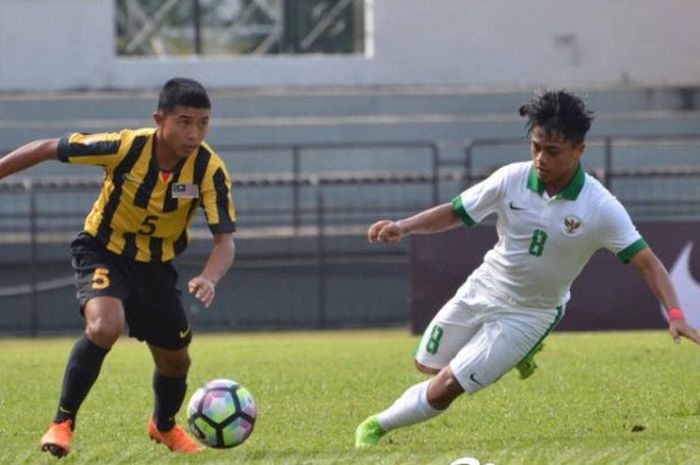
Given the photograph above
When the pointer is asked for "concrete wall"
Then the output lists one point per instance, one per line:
(55, 44)
(69, 44)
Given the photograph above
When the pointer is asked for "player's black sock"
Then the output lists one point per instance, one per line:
(170, 392)
(82, 369)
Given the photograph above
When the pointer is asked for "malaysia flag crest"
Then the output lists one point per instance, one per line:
(185, 191)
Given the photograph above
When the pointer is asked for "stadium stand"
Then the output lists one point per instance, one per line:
(311, 170)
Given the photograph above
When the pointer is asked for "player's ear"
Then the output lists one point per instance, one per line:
(158, 118)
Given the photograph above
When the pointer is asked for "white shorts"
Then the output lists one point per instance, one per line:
(482, 338)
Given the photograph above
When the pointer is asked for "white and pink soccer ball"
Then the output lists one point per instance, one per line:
(221, 413)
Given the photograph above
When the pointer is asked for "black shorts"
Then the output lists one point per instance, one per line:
(148, 291)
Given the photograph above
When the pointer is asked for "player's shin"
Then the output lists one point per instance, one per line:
(82, 369)
(169, 395)
(412, 407)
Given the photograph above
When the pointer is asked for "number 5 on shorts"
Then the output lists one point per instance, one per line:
(434, 342)
(100, 280)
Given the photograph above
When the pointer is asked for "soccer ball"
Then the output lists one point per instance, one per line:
(221, 413)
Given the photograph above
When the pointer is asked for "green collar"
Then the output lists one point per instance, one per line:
(570, 192)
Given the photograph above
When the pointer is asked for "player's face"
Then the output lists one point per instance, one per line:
(555, 159)
(183, 129)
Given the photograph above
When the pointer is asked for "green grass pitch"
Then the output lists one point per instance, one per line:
(605, 398)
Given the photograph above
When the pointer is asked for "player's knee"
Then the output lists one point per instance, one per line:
(425, 369)
(104, 320)
(174, 365)
(104, 331)
(102, 335)
(183, 365)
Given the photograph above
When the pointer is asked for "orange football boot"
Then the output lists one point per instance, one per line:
(176, 439)
(57, 439)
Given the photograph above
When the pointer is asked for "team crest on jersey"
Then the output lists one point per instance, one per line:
(572, 225)
(185, 191)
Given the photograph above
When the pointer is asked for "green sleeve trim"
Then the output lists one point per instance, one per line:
(626, 255)
(459, 210)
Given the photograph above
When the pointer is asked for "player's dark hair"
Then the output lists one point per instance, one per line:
(182, 91)
(558, 111)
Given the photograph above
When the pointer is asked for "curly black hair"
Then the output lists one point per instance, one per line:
(558, 111)
(182, 91)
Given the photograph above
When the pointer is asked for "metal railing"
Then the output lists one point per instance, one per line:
(607, 173)
(326, 226)
(35, 236)
(297, 179)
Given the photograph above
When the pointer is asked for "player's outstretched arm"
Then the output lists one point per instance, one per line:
(203, 287)
(656, 276)
(28, 155)
(432, 220)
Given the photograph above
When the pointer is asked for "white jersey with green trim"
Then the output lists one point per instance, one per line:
(544, 241)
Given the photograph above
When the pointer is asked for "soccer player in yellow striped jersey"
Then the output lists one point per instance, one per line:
(155, 178)
(144, 208)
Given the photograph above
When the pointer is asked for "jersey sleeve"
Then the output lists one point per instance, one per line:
(217, 200)
(480, 200)
(616, 231)
(92, 149)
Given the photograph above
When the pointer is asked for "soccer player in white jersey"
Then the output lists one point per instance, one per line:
(551, 217)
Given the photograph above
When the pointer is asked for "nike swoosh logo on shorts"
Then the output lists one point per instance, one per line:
(474, 379)
(514, 207)
(183, 334)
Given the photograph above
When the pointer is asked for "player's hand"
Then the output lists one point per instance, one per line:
(679, 328)
(385, 231)
(203, 289)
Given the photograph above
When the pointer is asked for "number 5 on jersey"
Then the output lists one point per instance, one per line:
(100, 280)
(148, 225)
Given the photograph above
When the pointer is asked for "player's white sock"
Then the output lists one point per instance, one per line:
(412, 407)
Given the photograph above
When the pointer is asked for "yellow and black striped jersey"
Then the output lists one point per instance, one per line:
(143, 212)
